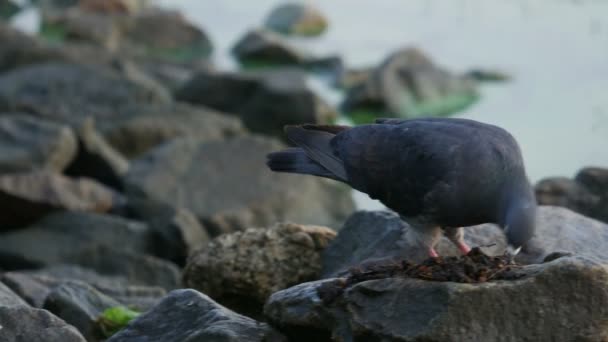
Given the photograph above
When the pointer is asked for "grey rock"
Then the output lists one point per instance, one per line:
(264, 47)
(70, 92)
(587, 193)
(8, 298)
(296, 19)
(27, 197)
(257, 262)
(259, 98)
(80, 305)
(188, 315)
(60, 237)
(408, 84)
(22, 323)
(32, 289)
(177, 232)
(139, 128)
(536, 306)
(374, 235)
(18, 48)
(29, 143)
(228, 187)
(97, 159)
(8, 9)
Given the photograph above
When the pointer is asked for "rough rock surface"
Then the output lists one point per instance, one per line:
(257, 262)
(79, 304)
(264, 100)
(296, 19)
(188, 315)
(404, 309)
(97, 159)
(207, 178)
(139, 128)
(8, 298)
(28, 143)
(27, 197)
(22, 323)
(587, 193)
(408, 84)
(262, 47)
(372, 235)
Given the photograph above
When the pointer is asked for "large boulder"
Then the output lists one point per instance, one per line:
(27, 197)
(228, 186)
(408, 84)
(265, 100)
(587, 193)
(80, 305)
(139, 128)
(535, 304)
(23, 323)
(257, 262)
(296, 19)
(71, 92)
(188, 315)
(28, 143)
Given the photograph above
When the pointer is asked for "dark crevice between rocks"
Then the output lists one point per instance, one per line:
(475, 267)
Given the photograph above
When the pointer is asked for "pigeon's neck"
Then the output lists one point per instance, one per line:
(517, 200)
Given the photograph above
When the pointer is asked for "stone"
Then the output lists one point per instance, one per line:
(535, 305)
(260, 47)
(297, 19)
(228, 187)
(138, 129)
(177, 232)
(33, 290)
(8, 8)
(255, 263)
(60, 237)
(71, 92)
(8, 298)
(97, 159)
(259, 98)
(587, 193)
(369, 236)
(408, 84)
(188, 315)
(80, 305)
(29, 143)
(27, 197)
(22, 323)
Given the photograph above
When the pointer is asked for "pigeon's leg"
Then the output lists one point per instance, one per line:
(456, 235)
(426, 235)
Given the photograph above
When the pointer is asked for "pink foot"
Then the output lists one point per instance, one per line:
(464, 248)
(433, 253)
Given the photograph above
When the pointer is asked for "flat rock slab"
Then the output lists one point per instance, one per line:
(537, 306)
(188, 315)
(24, 323)
(229, 188)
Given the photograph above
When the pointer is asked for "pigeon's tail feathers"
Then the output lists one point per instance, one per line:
(316, 143)
(295, 160)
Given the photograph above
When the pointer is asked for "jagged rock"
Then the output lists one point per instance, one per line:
(374, 235)
(23, 323)
(70, 92)
(96, 159)
(139, 128)
(408, 84)
(257, 262)
(587, 193)
(228, 187)
(537, 304)
(27, 197)
(177, 231)
(192, 316)
(297, 19)
(265, 100)
(60, 237)
(80, 305)
(28, 143)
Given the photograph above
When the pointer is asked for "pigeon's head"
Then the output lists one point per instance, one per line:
(520, 223)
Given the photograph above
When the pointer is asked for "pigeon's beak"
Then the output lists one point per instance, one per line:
(512, 252)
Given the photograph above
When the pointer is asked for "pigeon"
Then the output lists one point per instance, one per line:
(438, 174)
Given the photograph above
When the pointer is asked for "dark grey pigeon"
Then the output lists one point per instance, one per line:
(438, 174)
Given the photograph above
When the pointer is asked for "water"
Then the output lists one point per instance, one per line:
(556, 50)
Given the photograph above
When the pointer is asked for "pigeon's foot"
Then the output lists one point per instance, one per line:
(433, 253)
(463, 247)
